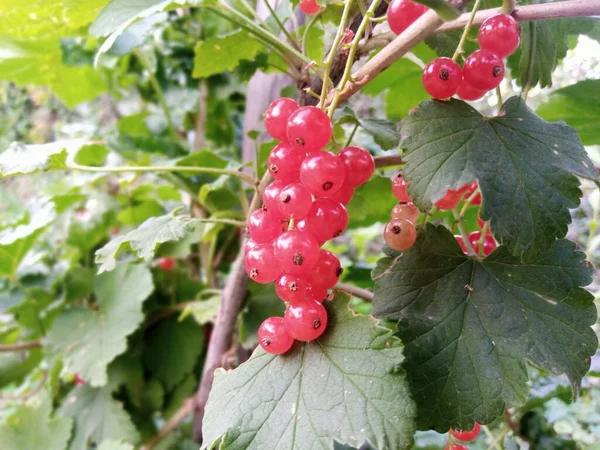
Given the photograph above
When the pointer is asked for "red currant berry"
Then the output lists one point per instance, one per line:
(78, 380)
(294, 201)
(343, 195)
(461, 242)
(489, 244)
(402, 13)
(456, 447)
(309, 7)
(309, 129)
(480, 223)
(327, 271)
(469, 190)
(327, 219)
(399, 189)
(468, 92)
(317, 293)
(270, 198)
(260, 264)
(466, 436)
(442, 77)
(499, 34)
(249, 245)
(284, 162)
(263, 227)
(400, 234)
(273, 336)
(277, 115)
(359, 164)
(449, 201)
(406, 211)
(166, 264)
(483, 70)
(323, 173)
(296, 252)
(305, 320)
(292, 288)
(477, 200)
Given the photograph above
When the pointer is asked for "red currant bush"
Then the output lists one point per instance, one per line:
(442, 78)
(402, 13)
(277, 115)
(273, 336)
(466, 436)
(483, 70)
(499, 34)
(306, 320)
(309, 129)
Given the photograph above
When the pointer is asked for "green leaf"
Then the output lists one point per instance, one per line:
(115, 445)
(203, 311)
(469, 325)
(33, 427)
(345, 386)
(371, 203)
(181, 392)
(578, 105)
(43, 19)
(443, 8)
(543, 44)
(384, 132)
(98, 417)
(262, 302)
(220, 54)
(402, 83)
(315, 42)
(445, 44)
(172, 349)
(91, 155)
(144, 240)
(525, 167)
(91, 338)
(15, 366)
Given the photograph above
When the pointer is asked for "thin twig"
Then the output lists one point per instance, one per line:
(19, 346)
(388, 160)
(365, 294)
(175, 420)
(28, 394)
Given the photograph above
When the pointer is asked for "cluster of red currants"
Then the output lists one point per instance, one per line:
(482, 71)
(463, 436)
(489, 243)
(302, 209)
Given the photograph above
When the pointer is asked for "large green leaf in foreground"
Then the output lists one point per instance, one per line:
(525, 167)
(469, 325)
(344, 386)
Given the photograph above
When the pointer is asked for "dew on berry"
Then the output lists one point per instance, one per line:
(402, 13)
(400, 234)
(274, 337)
(277, 115)
(442, 78)
(309, 129)
(305, 320)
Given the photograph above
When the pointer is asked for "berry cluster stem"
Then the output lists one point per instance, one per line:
(463, 232)
(334, 48)
(354, 45)
(461, 44)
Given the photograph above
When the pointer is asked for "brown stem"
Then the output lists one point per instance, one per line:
(388, 160)
(175, 420)
(234, 294)
(365, 294)
(200, 128)
(19, 346)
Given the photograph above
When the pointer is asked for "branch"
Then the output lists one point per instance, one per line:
(175, 420)
(19, 346)
(388, 160)
(234, 294)
(396, 47)
(28, 394)
(365, 294)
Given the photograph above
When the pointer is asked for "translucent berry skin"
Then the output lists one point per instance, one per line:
(449, 201)
(259, 264)
(489, 244)
(322, 173)
(327, 271)
(284, 162)
(249, 245)
(359, 164)
(466, 436)
(456, 447)
(483, 70)
(461, 242)
(305, 320)
(400, 234)
(166, 264)
(442, 78)
(309, 7)
(277, 115)
(263, 227)
(468, 92)
(317, 293)
(402, 13)
(273, 336)
(499, 34)
(270, 198)
(296, 252)
(399, 189)
(406, 211)
(292, 288)
(309, 129)
(327, 219)
(294, 201)
(480, 223)
(469, 190)
(343, 194)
